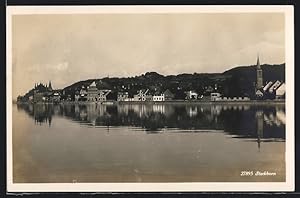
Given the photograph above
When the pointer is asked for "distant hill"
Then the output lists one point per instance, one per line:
(239, 81)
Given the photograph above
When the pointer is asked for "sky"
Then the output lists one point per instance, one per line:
(69, 48)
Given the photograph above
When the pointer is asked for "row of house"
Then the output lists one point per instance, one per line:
(91, 93)
(144, 95)
(272, 90)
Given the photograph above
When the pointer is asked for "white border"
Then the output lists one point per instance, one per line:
(289, 185)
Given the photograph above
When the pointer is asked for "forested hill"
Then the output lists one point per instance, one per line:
(238, 81)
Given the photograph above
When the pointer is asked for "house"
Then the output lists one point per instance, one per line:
(122, 96)
(83, 94)
(158, 97)
(102, 95)
(272, 90)
(215, 96)
(92, 92)
(168, 95)
(280, 91)
(275, 86)
(191, 95)
(141, 95)
(259, 93)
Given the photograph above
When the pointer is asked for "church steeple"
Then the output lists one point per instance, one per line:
(257, 63)
(259, 77)
(50, 86)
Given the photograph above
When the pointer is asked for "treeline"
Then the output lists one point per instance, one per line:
(239, 81)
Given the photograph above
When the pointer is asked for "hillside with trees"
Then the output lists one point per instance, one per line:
(238, 81)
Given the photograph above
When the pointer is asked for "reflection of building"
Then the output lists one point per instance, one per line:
(260, 126)
(159, 108)
(55, 97)
(192, 111)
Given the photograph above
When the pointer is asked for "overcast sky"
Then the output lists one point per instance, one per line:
(69, 48)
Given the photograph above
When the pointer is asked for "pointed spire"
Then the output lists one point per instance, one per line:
(50, 86)
(258, 63)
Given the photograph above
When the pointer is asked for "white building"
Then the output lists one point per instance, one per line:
(158, 98)
(191, 95)
(275, 86)
(280, 91)
(141, 95)
(215, 96)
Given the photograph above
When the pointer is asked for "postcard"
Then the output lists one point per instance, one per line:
(150, 98)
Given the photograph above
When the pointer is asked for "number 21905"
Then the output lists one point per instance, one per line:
(246, 173)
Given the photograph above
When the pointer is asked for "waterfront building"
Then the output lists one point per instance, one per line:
(191, 95)
(274, 87)
(272, 90)
(168, 95)
(83, 94)
(122, 96)
(158, 97)
(280, 91)
(141, 95)
(102, 94)
(92, 92)
(214, 96)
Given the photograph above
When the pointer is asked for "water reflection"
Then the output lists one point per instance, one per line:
(147, 143)
(259, 123)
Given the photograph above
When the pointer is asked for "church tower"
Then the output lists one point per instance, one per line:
(259, 77)
(50, 86)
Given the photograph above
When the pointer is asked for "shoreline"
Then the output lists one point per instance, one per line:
(249, 102)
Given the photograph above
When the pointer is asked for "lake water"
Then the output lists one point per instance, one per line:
(147, 143)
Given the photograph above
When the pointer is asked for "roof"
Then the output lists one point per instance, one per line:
(93, 84)
(272, 86)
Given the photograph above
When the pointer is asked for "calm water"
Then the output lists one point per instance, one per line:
(147, 143)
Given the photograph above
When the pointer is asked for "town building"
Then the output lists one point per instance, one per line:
(168, 95)
(141, 95)
(158, 97)
(42, 93)
(83, 94)
(273, 90)
(122, 96)
(280, 91)
(218, 97)
(102, 95)
(215, 96)
(92, 92)
(191, 95)
(259, 80)
(259, 75)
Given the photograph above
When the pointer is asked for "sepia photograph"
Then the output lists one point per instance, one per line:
(150, 98)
